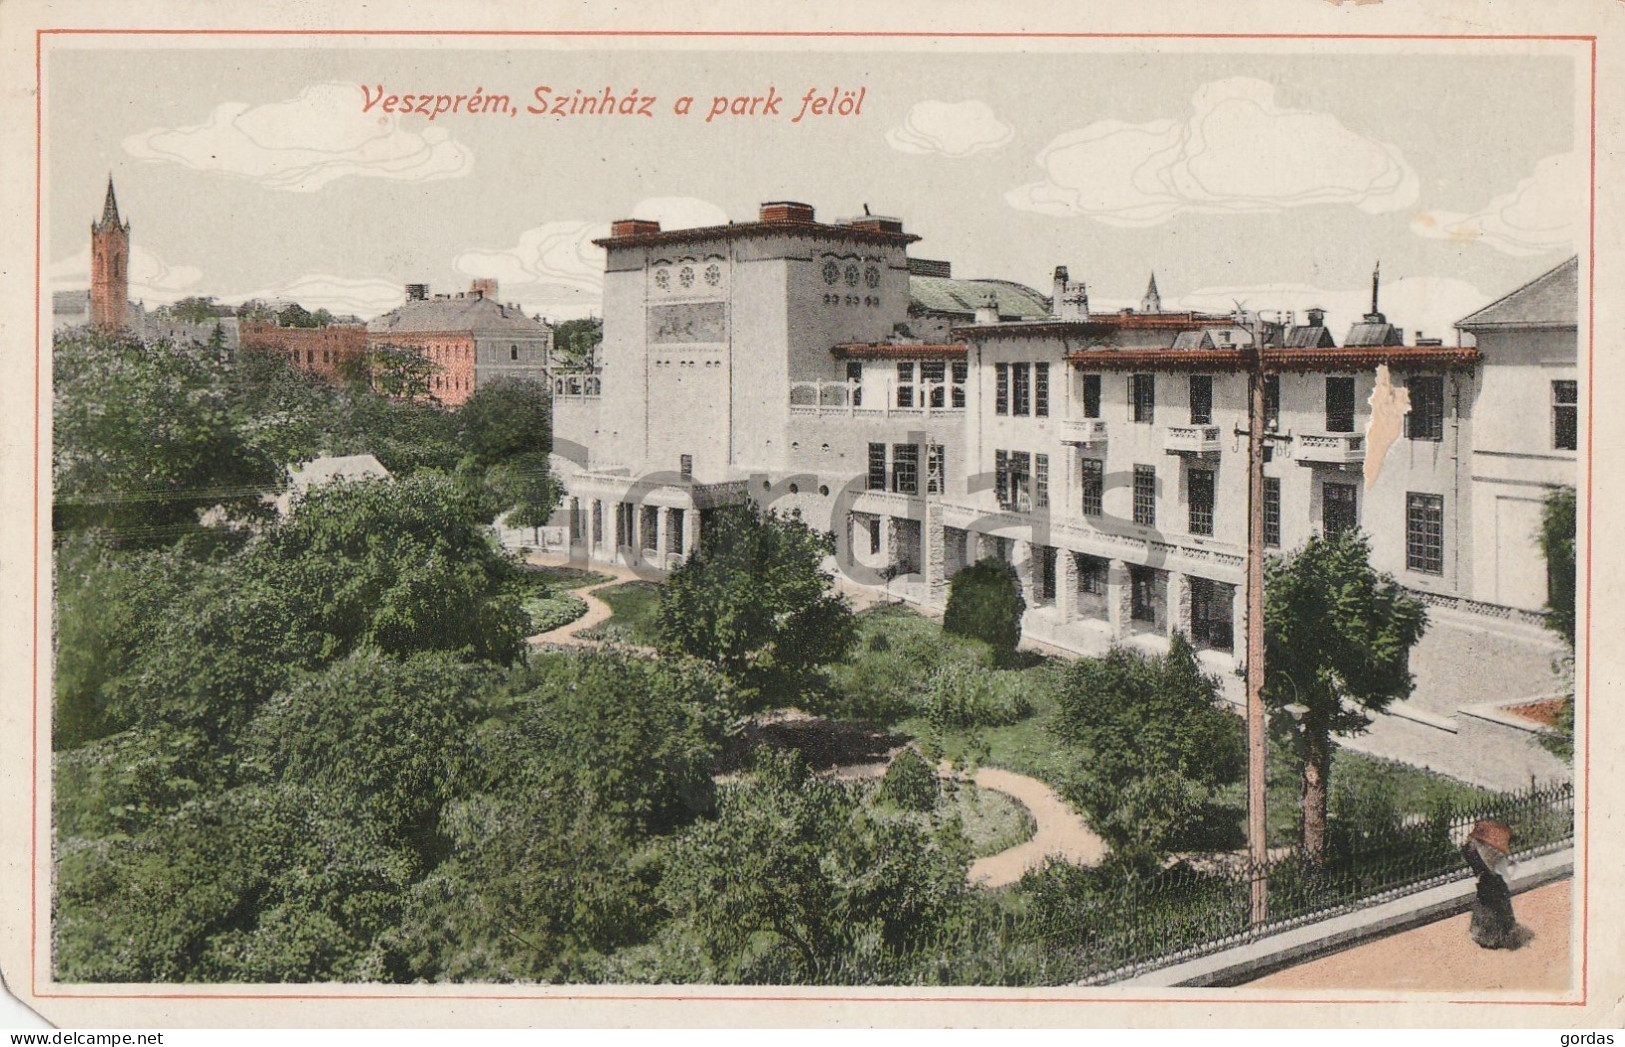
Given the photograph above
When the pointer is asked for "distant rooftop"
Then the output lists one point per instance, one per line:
(461, 314)
(1549, 300)
(937, 294)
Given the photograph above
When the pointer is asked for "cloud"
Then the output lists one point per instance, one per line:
(1431, 304)
(1543, 213)
(1236, 152)
(955, 129)
(557, 267)
(365, 297)
(303, 143)
(152, 279)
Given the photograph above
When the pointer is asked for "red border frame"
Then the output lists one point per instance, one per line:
(39, 138)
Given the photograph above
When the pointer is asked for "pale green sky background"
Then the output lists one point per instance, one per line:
(1276, 177)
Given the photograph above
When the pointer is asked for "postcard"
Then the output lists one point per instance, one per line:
(1062, 516)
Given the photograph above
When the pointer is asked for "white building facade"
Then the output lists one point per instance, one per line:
(811, 367)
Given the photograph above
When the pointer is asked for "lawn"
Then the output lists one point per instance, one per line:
(549, 611)
(561, 578)
(990, 820)
(636, 617)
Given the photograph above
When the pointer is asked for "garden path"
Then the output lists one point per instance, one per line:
(597, 610)
(1060, 831)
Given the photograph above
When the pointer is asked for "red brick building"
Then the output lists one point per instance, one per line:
(470, 338)
(323, 351)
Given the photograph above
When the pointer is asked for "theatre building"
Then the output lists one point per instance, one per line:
(929, 421)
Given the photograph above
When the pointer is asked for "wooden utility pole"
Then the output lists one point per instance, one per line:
(1257, 843)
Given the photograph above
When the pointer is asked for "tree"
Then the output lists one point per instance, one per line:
(799, 880)
(1337, 637)
(400, 371)
(506, 427)
(1557, 537)
(985, 603)
(575, 341)
(400, 565)
(145, 442)
(1152, 743)
(756, 598)
(198, 310)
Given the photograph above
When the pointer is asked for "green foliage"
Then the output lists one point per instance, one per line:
(910, 783)
(1152, 742)
(962, 694)
(1557, 535)
(888, 671)
(574, 340)
(401, 565)
(1337, 637)
(552, 611)
(144, 443)
(985, 603)
(400, 372)
(799, 880)
(756, 599)
(198, 310)
(634, 614)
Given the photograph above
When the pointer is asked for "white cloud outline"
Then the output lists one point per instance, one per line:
(951, 129)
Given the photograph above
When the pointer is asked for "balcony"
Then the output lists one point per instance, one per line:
(1083, 431)
(1191, 439)
(1329, 448)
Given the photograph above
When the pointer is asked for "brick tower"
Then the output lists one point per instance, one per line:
(109, 267)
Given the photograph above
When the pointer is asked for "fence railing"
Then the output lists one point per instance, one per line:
(1187, 912)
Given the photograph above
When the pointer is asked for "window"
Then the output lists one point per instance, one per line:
(1021, 388)
(1041, 390)
(854, 378)
(1201, 399)
(1339, 404)
(1012, 472)
(1142, 397)
(1426, 418)
(1044, 589)
(936, 468)
(905, 385)
(877, 467)
(1272, 401)
(932, 377)
(1566, 415)
(1338, 509)
(1091, 575)
(513, 352)
(1272, 512)
(905, 468)
(1200, 483)
(1093, 472)
(1041, 481)
(674, 533)
(1424, 533)
(1091, 396)
(874, 536)
(961, 372)
(1145, 495)
(1001, 388)
(685, 465)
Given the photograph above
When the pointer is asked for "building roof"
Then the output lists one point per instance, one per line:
(464, 314)
(70, 301)
(941, 294)
(1549, 300)
(1103, 326)
(888, 351)
(1373, 333)
(1399, 357)
(736, 230)
(1305, 336)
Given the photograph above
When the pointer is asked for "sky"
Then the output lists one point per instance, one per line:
(1275, 177)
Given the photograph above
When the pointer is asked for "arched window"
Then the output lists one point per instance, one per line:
(513, 351)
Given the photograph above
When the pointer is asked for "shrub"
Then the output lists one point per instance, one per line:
(962, 694)
(985, 603)
(910, 783)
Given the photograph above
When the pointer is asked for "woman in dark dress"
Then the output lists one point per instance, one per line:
(1486, 849)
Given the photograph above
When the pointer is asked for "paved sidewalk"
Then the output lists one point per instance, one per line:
(1060, 831)
(597, 610)
(1439, 957)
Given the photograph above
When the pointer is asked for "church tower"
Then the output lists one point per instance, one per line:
(109, 267)
(1152, 302)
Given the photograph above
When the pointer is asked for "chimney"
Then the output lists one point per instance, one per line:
(871, 223)
(1317, 317)
(787, 211)
(483, 287)
(417, 292)
(988, 311)
(930, 267)
(633, 227)
(1059, 289)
